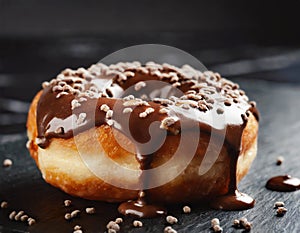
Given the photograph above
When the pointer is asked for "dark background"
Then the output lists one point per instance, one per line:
(242, 39)
(256, 44)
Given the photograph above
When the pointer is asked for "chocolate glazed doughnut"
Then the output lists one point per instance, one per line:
(77, 101)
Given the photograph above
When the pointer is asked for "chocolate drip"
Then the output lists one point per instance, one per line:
(234, 199)
(75, 103)
(284, 183)
(254, 111)
(140, 207)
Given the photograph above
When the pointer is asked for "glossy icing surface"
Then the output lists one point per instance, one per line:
(284, 183)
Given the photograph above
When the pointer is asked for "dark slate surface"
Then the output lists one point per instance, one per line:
(22, 186)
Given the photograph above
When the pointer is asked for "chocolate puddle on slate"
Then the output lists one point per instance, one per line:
(285, 183)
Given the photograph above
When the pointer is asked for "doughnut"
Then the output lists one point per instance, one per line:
(144, 135)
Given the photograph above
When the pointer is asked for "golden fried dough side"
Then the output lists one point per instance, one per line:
(62, 166)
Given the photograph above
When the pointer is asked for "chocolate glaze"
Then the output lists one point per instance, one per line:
(284, 183)
(74, 102)
(141, 208)
(233, 201)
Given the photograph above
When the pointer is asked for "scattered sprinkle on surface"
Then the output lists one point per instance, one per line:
(7, 162)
